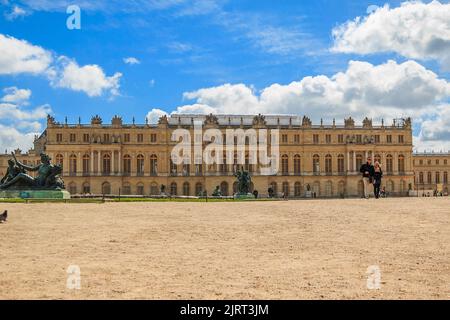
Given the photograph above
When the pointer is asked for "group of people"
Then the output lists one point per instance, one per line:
(372, 175)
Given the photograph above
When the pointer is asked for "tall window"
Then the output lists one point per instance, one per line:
(140, 189)
(173, 168)
(437, 177)
(106, 164)
(186, 189)
(389, 138)
(140, 165)
(153, 137)
(224, 188)
(297, 165)
(59, 159)
(140, 138)
(126, 137)
(421, 177)
(285, 165)
(73, 165)
(328, 164)
(359, 162)
(297, 189)
(315, 138)
(316, 164)
(328, 138)
(73, 137)
(389, 163)
(59, 137)
(445, 180)
(86, 137)
(153, 165)
(127, 164)
(341, 163)
(86, 164)
(401, 163)
(429, 178)
(377, 158)
(286, 189)
(198, 189)
(173, 188)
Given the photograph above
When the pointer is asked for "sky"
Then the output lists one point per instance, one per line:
(324, 59)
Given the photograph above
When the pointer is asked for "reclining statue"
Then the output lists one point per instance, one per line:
(48, 175)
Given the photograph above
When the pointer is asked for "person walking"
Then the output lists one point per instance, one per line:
(367, 174)
(377, 175)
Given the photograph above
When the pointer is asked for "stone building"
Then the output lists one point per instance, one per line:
(431, 172)
(324, 159)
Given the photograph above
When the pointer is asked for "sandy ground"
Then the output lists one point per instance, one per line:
(259, 250)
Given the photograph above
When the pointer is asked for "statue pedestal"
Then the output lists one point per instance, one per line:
(35, 194)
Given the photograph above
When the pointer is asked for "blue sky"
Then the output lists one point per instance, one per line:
(197, 54)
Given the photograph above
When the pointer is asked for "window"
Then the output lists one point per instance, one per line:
(328, 138)
(284, 138)
(106, 164)
(377, 138)
(445, 161)
(377, 158)
(340, 138)
(173, 188)
(153, 165)
(401, 139)
(297, 189)
(286, 189)
(401, 163)
(153, 137)
(86, 188)
(199, 189)
(106, 138)
(297, 165)
(437, 162)
(420, 177)
(140, 138)
(86, 164)
(186, 189)
(389, 164)
(315, 138)
(59, 159)
(388, 138)
(359, 162)
(445, 180)
(429, 178)
(429, 162)
(59, 137)
(297, 138)
(421, 162)
(316, 164)
(73, 165)
(73, 137)
(328, 164)
(86, 137)
(341, 165)
(285, 165)
(140, 189)
(127, 164)
(140, 165)
(358, 138)
(126, 137)
(437, 177)
(126, 189)
(224, 188)
(173, 168)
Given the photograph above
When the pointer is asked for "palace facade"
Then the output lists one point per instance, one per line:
(324, 159)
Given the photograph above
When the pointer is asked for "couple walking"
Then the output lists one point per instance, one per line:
(372, 174)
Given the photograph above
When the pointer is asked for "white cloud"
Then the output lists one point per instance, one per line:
(11, 139)
(415, 30)
(15, 13)
(19, 56)
(151, 83)
(15, 95)
(435, 131)
(131, 60)
(154, 115)
(179, 47)
(89, 79)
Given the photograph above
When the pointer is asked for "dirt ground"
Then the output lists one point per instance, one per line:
(317, 249)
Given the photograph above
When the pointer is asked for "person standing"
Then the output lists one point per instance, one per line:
(367, 173)
(377, 175)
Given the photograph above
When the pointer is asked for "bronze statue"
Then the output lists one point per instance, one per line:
(244, 181)
(48, 175)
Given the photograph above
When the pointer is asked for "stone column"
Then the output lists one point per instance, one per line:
(354, 161)
(119, 163)
(91, 169)
(348, 161)
(113, 169)
(99, 168)
(79, 164)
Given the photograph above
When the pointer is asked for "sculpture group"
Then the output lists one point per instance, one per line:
(48, 175)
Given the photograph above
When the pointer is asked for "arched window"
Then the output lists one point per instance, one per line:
(127, 165)
(198, 165)
(297, 165)
(377, 158)
(106, 164)
(341, 188)
(59, 159)
(285, 165)
(328, 164)
(316, 188)
(421, 177)
(140, 165)
(198, 189)
(297, 189)
(329, 189)
(126, 189)
(73, 165)
(445, 180)
(389, 164)
(140, 189)
(429, 178)
(153, 165)
(224, 188)
(316, 164)
(186, 189)
(72, 188)
(154, 189)
(286, 189)
(401, 164)
(106, 188)
(86, 164)
(341, 164)
(437, 177)
(173, 188)
(86, 188)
